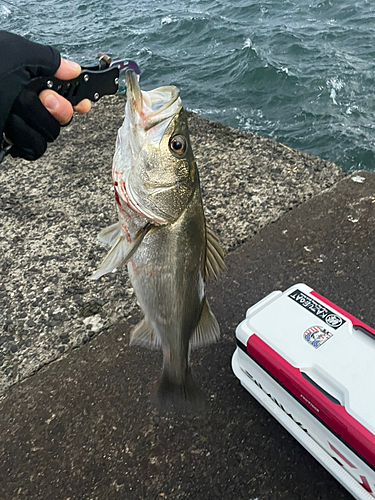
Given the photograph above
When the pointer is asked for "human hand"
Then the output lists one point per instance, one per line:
(29, 121)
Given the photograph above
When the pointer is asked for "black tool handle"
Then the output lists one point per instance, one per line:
(90, 84)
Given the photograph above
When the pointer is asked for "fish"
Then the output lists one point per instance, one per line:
(163, 237)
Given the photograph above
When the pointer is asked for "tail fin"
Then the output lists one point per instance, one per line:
(182, 395)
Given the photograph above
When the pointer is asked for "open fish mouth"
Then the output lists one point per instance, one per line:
(149, 108)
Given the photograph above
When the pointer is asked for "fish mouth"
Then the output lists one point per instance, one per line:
(133, 90)
(152, 107)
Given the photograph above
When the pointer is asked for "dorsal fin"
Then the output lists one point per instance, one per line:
(214, 255)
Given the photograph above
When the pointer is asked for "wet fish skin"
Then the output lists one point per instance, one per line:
(167, 271)
(163, 236)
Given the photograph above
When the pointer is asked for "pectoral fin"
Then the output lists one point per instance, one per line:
(208, 330)
(144, 335)
(121, 252)
(109, 235)
(214, 255)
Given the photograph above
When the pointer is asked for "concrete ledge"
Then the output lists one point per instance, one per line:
(83, 427)
(53, 209)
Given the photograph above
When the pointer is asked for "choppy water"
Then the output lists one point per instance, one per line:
(299, 71)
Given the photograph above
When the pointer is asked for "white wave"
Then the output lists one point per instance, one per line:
(247, 44)
(352, 108)
(166, 20)
(332, 95)
(143, 51)
(4, 11)
(335, 84)
(211, 111)
(255, 121)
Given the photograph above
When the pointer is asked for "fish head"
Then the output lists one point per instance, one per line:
(153, 152)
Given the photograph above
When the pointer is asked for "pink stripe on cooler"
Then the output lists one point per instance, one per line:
(334, 416)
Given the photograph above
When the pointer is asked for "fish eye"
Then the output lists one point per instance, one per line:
(178, 144)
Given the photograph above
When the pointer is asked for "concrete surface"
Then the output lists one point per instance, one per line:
(53, 209)
(83, 427)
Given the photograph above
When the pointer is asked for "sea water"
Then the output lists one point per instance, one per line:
(301, 72)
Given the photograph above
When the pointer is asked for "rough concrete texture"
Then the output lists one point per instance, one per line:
(53, 209)
(83, 427)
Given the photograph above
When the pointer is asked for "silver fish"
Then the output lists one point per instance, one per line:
(162, 235)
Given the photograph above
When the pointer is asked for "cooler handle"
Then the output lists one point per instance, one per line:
(362, 329)
(323, 391)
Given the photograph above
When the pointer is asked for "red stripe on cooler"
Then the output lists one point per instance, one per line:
(334, 416)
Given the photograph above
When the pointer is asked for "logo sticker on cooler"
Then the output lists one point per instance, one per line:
(319, 310)
(333, 320)
(317, 335)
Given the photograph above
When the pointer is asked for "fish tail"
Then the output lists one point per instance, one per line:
(181, 394)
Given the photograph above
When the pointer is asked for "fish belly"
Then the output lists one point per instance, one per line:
(167, 276)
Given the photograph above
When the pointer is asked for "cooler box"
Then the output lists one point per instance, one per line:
(312, 366)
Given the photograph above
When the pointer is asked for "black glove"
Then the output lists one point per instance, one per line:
(23, 118)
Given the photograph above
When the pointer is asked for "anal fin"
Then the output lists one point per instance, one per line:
(208, 330)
